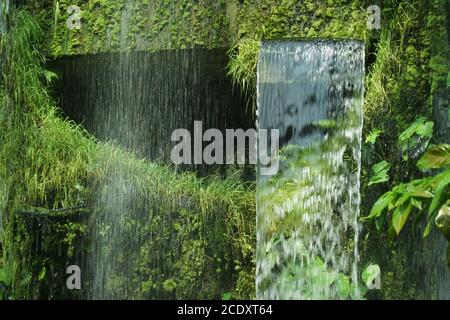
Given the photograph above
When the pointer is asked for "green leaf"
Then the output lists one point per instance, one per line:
(381, 204)
(416, 203)
(42, 274)
(49, 76)
(448, 80)
(380, 173)
(421, 127)
(226, 296)
(400, 216)
(5, 276)
(343, 286)
(426, 130)
(416, 136)
(402, 199)
(441, 194)
(422, 194)
(373, 135)
(409, 132)
(435, 158)
(370, 273)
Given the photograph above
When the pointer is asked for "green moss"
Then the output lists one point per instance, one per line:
(119, 25)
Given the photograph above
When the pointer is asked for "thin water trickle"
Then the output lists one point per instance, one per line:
(307, 214)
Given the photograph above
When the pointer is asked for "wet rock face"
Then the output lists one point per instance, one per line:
(448, 256)
(441, 111)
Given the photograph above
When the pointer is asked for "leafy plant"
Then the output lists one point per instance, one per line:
(373, 135)
(415, 139)
(242, 67)
(429, 197)
(435, 158)
(380, 173)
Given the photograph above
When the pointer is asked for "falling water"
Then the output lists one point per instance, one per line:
(137, 99)
(307, 214)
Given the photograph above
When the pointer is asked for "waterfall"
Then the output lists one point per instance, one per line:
(138, 99)
(307, 214)
(139, 238)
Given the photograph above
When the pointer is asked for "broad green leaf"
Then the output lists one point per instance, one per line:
(408, 133)
(380, 172)
(343, 286)
(400, 216)
(441, 194)
(435, 158)
(416, 136)
(402, 199)
(381, 204)
(426, 130)
(421, 127)
(370, 274)
(422, 194)
(416, 203)
(373, 135)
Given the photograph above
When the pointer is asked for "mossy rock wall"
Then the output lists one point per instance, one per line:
(121, 25)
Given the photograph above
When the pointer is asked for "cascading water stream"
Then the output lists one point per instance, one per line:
(307, 214)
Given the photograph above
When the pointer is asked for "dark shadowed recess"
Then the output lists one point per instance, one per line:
(137, 99)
